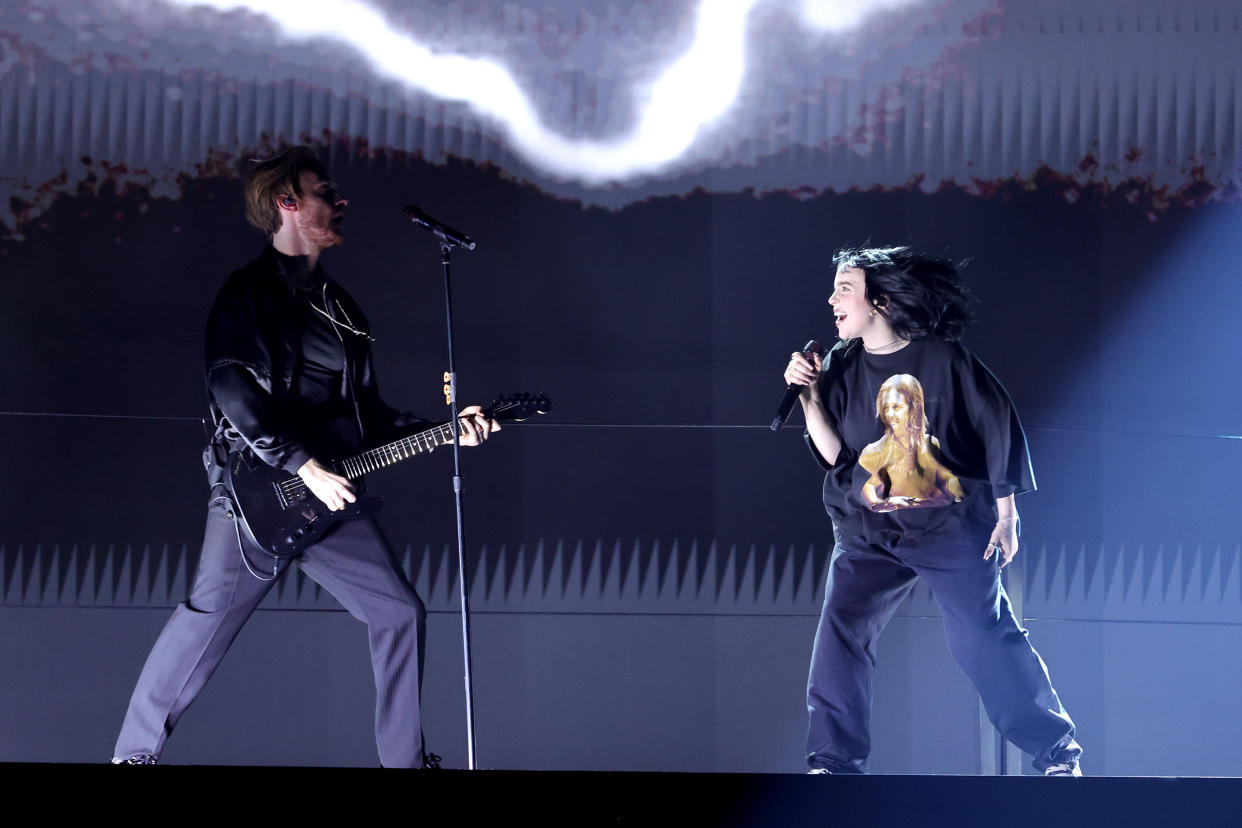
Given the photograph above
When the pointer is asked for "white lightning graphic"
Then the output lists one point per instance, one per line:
(834, 15)
(691, 94)
(694, 92)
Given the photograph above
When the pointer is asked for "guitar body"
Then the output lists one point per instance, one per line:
(280, 514)
(282, 517)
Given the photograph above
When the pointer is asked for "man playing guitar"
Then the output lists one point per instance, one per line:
(291, 385)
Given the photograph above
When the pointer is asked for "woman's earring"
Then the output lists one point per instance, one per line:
(871, 312)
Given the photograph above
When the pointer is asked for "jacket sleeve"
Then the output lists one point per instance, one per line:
(240, 378)
(256, 416)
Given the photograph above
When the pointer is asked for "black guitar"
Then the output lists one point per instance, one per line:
(283, 517)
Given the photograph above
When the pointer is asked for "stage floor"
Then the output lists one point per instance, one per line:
(456, 797)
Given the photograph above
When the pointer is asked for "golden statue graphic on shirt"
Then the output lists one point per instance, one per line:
(905, 467)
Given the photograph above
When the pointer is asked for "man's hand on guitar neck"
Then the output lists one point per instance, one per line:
(335, 491)
(474, 426)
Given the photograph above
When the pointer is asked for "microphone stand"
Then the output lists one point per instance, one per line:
(446, 248)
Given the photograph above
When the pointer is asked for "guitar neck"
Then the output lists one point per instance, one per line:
(505, 409)
(386, 455)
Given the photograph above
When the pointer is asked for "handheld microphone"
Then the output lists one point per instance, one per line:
(793, 391)
(447, 234)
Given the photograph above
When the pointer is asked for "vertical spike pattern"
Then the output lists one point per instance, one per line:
(1187, 583)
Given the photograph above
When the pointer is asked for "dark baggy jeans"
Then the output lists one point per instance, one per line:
(866, 583)
(354, 564)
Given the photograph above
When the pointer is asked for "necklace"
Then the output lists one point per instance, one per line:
(898, 342)
(348, 324)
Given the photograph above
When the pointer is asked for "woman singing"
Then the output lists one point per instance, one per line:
(924, 454)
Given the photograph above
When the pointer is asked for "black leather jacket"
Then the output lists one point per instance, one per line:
(253, 339)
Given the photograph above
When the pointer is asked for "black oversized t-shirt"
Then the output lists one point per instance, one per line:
(930, 440)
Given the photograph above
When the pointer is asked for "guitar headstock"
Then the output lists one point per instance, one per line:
(518, 407)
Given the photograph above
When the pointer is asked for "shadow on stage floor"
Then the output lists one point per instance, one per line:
(621, 799)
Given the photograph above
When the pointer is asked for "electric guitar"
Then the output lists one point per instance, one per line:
(283, 517)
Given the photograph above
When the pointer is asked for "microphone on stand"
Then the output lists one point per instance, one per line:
(793, 391)
(447, 234)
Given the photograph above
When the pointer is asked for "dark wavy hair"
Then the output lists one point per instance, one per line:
(920, 296)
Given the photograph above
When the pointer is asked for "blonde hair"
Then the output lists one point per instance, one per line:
(914, 428)
(910, 388)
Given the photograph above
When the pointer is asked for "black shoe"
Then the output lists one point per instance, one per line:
(431, 761)
(138, 759)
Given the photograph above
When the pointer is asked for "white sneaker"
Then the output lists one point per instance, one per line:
(1069, 768)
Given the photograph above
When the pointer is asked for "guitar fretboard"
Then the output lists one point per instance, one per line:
(294, 489)
(396, 451)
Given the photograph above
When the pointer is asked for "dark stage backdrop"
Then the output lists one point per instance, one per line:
(656, 192)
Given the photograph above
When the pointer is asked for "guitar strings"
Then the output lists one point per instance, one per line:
(388, 454)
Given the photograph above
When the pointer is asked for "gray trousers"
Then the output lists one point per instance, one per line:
(354, 564)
